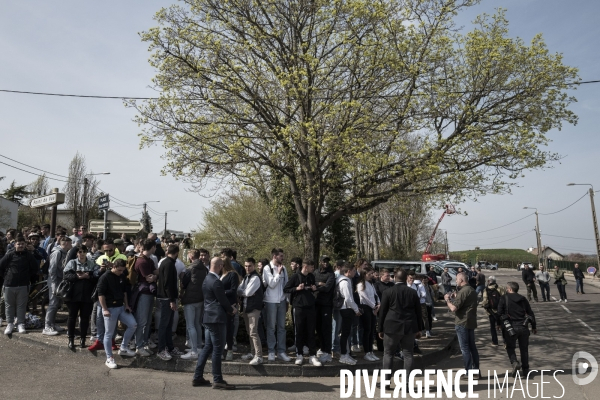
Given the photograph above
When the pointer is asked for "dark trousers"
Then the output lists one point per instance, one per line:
(305, 329)
(531, 290)
(214, 336)
(493, 324)
(430, 316)
(390, 345)
(261, 328)
(562, 291)
(165, 324)
(84, 310)
(511, 343)
(348, 315)
(426, 320)
(324, 326)
(579, 285)
(368, 323)
(545, 289)
(229, 332)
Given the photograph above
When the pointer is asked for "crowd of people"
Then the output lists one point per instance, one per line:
(120, 286)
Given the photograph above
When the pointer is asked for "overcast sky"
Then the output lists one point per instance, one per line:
(94, 48)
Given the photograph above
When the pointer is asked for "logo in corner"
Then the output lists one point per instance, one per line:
(590, 364)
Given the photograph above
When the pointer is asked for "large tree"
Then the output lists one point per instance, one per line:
(365, 98)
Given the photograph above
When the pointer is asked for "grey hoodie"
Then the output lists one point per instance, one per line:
(57, 263)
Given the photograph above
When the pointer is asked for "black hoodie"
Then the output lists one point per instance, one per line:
(301, 298)
(516, 307)
(325, 292)
(18, 268)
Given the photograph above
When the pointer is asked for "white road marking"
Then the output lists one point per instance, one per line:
(584, 324)
(553, 298)
(566, 309)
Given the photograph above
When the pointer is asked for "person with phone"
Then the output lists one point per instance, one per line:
(83, 275)
(115, 308)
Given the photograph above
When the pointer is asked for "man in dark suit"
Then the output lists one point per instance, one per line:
(400, 321)
(216, 308)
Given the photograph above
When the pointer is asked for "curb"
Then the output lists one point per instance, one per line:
(232, 368)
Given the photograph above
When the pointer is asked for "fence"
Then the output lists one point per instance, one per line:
(570, 265)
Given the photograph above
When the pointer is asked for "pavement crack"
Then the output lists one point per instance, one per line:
(164, 390)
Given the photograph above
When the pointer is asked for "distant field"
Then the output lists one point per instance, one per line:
(506, 258)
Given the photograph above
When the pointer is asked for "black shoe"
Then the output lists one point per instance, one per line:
(387, 387)
(200, 382)
(82, 343)
(515, 368)
(582, 292)
(417, 350)
(525, 372)
(222, 386)
(71, 344)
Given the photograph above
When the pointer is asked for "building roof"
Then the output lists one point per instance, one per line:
(534, 250)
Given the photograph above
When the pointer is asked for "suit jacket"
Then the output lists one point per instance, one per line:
(216, 305)
(400, 311)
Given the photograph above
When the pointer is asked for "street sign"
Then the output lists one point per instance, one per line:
(48, 200)
(129, 226)
(591, 270)
(103, 202)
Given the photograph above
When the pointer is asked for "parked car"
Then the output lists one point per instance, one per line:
(487, 265)
(521, 266)
(420, 267)
(454, 265)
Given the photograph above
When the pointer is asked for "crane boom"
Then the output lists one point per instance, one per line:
(448, 209)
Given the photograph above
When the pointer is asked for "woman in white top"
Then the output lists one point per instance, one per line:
(370, 305)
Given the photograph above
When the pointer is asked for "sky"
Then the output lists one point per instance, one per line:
(93, 48)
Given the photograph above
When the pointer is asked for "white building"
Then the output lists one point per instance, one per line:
(9, 213)
(547, 253)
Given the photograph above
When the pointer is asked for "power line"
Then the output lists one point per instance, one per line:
(493, 229)
(491, 244)
(22, 163)
(499, 237)
(572, 204)
(33, 173)
(567, 237)
(157, 98)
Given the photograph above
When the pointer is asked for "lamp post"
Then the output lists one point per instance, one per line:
(594, 220)
(165, 231)
(85, 189)
(538, 235)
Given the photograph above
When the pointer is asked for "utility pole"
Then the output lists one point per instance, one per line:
(447, 252)
(85, 189)
(594, 221)
(53, 217)
(539, 239)
(165, 231)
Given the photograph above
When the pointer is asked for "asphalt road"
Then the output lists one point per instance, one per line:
(34, 372)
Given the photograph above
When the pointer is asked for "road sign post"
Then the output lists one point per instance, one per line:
(53, 199)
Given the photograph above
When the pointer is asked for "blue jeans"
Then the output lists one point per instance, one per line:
(143, 316)
(466, 340)
(276, 320)
(336, 326)
(579, 285)
(479, 289)
(545, 289)
(100, 328)
(118, 314)
(215, 342)
(193, 316)
(165, 338)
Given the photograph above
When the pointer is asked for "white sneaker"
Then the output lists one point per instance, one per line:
(110, 363)
(9, 329)
(148, 350)
(435, 318)
(325, 358)
(355, 348)
(559, 300)
(565, 300)
(374, 357)
(352, 359)
(271, 357)
(299, 360)
(319, 353)
(284, 357)
(164, 355)
(427, 334)
(305, 350)
(143, 352)
(315, 361)
(248, 357)
(118, 338)
(49, 332)
(368, 357)
(256, 361)
(152, 345)
(125, 352)
(346, 359)
(190, 356)
(292, 348)
(59, 329)
(22, 328)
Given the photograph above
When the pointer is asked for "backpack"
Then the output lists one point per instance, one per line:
(338, 297)
(493, 298)
(132, 274)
